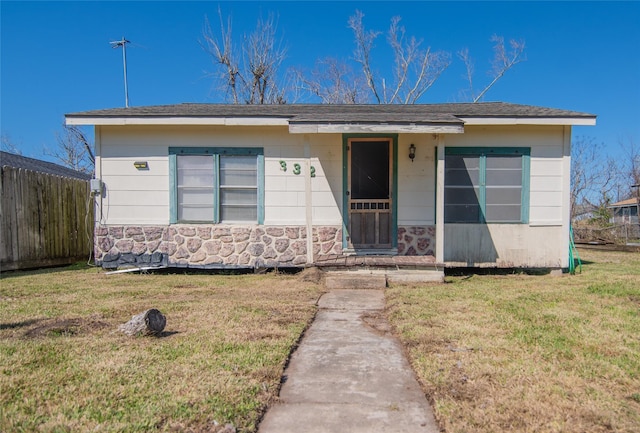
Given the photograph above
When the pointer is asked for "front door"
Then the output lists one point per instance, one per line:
(369, 194)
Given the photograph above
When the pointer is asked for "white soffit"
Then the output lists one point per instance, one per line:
(145, 120)
(578, 121)
(330, 128)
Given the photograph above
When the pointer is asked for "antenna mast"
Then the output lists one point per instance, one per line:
(117, 44)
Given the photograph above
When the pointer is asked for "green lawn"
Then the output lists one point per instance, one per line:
(523, 353)
(64, 367)
(494, 353)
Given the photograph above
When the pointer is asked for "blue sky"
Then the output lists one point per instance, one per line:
(56, 57)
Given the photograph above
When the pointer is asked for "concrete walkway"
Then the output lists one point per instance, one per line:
(349, 375)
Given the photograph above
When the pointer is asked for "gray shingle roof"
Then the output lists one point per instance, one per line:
(19, 161)
(308, 113)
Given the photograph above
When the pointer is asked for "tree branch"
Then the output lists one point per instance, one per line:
(362, 53)
(502, 61)
(73, 149)
(252, 79)
(469, 67)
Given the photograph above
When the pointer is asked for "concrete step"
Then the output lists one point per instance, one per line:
(413, 276)
(360, 279)
(379, 279)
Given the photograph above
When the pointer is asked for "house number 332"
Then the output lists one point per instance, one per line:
(297, 169)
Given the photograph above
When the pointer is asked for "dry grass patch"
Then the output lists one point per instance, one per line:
(65, 367)
(524, 353)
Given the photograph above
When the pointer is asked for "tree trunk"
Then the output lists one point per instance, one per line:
(150, 322)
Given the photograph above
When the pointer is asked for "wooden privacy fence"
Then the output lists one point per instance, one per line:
(46, 220)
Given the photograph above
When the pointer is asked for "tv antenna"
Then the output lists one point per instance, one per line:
(117, 44)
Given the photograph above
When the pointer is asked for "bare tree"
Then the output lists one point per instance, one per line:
(253, 76)
(503, 60)
(415, 69)
(630, 166)
(592, 178)
(362, 53)
(8, 145)
(334, 82)
(73, 149)
(222, 54)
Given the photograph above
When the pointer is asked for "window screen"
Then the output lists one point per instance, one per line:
(462, 188)
(216, 185)
(485, 185)
(238, 188)
(503, 188)
(195, 178)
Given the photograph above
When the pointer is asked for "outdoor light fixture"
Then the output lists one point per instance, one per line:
(412, 152)
(141, 165)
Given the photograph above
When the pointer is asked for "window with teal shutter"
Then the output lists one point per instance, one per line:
(486, 185)
(219, 185)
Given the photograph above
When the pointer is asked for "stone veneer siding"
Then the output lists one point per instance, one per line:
(230, 246)
(416, 240)
(211, 246)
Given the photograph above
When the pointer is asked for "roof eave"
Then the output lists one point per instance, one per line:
(572, 121)
(176, 120)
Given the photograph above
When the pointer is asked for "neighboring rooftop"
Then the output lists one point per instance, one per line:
(19, 161)
(625, 203)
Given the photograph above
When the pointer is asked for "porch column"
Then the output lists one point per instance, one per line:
(308, 198)
(440, 201)
(566, 193)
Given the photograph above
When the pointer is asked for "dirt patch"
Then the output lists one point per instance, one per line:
(66, 327)
(208, 427)
(311, 275)
(21, 324)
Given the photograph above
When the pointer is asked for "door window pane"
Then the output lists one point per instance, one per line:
(370, 169)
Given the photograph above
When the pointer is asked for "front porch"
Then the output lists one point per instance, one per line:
(375, 272)
(339, 261)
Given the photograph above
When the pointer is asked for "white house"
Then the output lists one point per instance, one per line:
(207, 185)
(625, 211)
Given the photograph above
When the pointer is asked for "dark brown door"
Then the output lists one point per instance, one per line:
(369, 194)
